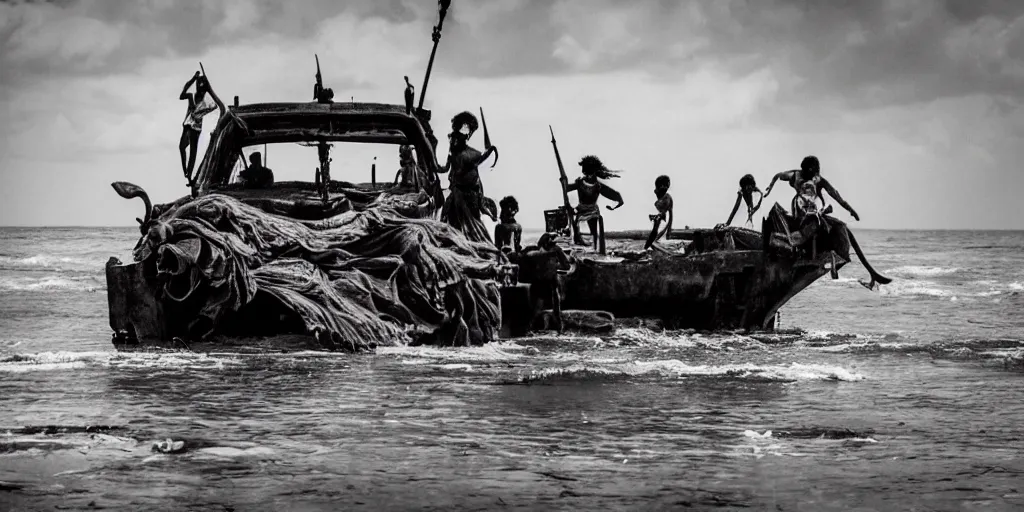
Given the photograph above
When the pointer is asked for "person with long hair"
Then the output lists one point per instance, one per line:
(589, 188)
(748, 186)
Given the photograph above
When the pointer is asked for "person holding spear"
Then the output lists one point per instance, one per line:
(466, 201)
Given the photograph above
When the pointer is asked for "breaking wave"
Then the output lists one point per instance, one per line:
(54, 361)
(52, 283)
(926, 288)
(51, 262)
(673, 368)
(922, 271)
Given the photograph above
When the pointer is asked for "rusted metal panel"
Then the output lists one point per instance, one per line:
(136, 314)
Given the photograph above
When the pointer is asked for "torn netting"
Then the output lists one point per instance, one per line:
(356, 279)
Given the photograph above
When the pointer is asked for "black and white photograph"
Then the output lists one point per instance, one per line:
(447, 255)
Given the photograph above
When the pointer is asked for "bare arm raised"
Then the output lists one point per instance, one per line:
(185, 95)
(216, 99)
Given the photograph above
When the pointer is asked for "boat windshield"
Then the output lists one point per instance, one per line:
(351, 162)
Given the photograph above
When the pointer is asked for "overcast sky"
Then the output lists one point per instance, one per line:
(913, 106)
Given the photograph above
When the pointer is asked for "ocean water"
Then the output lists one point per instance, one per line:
(904, 398)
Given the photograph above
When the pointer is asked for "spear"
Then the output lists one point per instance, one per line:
(565, 193)
(436, 36)
(487, 138)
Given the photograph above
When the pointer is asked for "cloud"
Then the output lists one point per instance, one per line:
(896, 97)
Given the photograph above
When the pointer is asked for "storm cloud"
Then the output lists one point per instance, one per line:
(909, 93)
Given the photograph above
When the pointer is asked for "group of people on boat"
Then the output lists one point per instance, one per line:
(808, 216)
(466, 202)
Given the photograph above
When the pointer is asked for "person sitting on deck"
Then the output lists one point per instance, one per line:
(256, 176)
(198, 106)
(748, 186)
(542, 263)
(409, 174)
(664, 206)
(589, 188)
(508, 232)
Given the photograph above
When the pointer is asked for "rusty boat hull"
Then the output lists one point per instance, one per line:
(726, 280)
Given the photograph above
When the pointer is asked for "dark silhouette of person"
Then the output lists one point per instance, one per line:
(466, 201)
(508, 232)
(589, 188)
(542, 263)
(748, 186)
(198, 106)
(810, 170)
(256, 176)
(664, 205)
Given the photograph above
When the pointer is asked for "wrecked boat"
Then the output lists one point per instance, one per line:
(724, 279)
(338, 265)
(350, 263)
(315, 264)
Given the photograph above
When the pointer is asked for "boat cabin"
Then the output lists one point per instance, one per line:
(278, 128)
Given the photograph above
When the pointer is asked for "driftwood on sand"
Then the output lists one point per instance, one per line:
(354, 280)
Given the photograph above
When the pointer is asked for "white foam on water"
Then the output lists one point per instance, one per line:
(843, 348)
(922, 271)
(1016, 286)
(791, 372)
(231, 452)
(456, 366)
(52, 262)
(990, 293)
(901, 288)
(51, 283)
(860, 440)
(54, 361)
(490, 352)
(678, 369)
(678, 339)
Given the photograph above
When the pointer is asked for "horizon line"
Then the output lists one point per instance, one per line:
(525, 228)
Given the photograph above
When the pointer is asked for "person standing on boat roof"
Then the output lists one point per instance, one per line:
(257, 175)
(748, 186)
(810, 170)
(589, 188)
(466, 200)
(664, 205)
(198, 106)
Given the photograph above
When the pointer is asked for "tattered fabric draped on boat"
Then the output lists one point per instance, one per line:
(355, 280)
